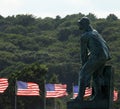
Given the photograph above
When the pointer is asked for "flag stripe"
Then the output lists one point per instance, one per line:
(27, 89)
(3, 84)
(56, 94)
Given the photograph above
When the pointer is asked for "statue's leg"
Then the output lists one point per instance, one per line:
(98, 82)
(81, 90)
(91, 66)
(85, 77)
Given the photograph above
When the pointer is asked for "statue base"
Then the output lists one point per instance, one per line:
(103, 103)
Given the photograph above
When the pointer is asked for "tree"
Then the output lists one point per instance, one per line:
(92, 17)
(63, 34)
(1, 17)
(46, 24)
(18, 29)
(24, 20)
(30, 73)
(111, 17)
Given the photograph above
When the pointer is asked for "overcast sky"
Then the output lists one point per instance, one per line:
(52, 8)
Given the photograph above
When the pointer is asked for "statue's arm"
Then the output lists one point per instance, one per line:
(84, 50)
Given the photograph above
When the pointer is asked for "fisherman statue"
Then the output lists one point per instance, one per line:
(94, 55)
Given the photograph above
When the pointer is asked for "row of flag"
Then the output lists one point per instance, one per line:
(32, 89)
(52, 90)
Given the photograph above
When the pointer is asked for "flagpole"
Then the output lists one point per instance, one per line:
(44, 94)
(72, 90)
(15, 95)
(54, 103)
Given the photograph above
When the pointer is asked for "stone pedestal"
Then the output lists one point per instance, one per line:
(106, 102)
(101, 104)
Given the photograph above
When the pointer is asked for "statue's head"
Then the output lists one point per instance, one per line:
(83, 23)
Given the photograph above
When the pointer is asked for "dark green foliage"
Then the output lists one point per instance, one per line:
(112, 17)
(53, 42)
(24, 20)
(92, 17)
(18, 29)
(28, 73)
(46, 24)
(64, 34)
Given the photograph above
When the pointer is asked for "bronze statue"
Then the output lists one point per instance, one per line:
(94, 55)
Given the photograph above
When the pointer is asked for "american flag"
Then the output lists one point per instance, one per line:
(27, 89)
(55, 90)
(3, 84)
(88, 92)
(115, 97)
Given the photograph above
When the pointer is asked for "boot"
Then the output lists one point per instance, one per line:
(81, 92)
(98, 82)
(96, 96)
(97, 93)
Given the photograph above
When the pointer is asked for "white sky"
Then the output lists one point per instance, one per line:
(52, 8)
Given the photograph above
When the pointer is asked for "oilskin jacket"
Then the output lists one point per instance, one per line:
(94, 47)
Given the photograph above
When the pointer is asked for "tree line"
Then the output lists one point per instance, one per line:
(53, 42)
